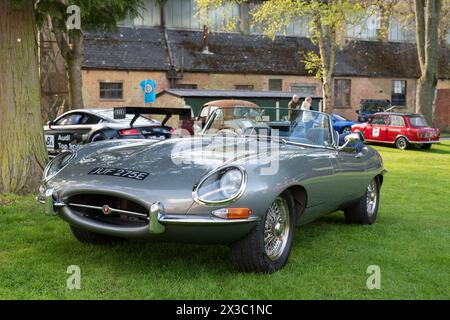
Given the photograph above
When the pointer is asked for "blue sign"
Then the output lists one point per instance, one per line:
(148, 87)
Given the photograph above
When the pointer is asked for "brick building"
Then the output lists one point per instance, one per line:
(167, 45)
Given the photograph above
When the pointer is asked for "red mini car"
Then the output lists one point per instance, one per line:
(399, 129)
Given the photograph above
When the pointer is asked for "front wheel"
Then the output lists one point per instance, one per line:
(267, 247)
(347, 130)
(366, 209)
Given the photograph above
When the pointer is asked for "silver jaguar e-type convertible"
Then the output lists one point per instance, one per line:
(247, 180)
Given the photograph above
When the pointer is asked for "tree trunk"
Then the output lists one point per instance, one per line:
(327, 90)
(244, 18)
(425, 95)
(427, 34)
(22, 148)
(74, 60)
(326, 39)
(74, 63)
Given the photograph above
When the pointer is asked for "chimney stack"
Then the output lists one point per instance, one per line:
(205, 40)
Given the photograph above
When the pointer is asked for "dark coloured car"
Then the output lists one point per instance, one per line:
(81, 126)
(341, 124)
(400, 129)
(370, 107)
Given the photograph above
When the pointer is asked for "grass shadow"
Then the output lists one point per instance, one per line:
(150, 255)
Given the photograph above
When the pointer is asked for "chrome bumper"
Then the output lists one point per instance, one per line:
(48, 199)
(158, 219)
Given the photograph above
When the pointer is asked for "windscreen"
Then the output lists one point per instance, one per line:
(291, 125)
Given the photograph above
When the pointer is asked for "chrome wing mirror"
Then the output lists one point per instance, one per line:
(352, 144)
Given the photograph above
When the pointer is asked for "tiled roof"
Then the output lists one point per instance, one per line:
(145, 49)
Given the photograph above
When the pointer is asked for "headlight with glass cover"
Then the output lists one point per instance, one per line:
(57, 164)
(221, 186)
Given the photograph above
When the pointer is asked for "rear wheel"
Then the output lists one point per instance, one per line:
(366, 209)
(425, 146)
(98, 137)
(266, 248)
(401, 143)
(93, 238)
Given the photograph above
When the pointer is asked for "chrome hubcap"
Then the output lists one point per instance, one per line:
(401, 144)
(371, 198)
(276, 229)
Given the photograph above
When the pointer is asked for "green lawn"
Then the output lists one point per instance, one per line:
(410, 243)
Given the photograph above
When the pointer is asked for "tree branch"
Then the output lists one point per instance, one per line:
(63, 45)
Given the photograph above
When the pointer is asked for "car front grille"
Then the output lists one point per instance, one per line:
(109, 209)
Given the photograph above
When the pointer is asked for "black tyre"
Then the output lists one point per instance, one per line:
(361, 136)
(267, 247)
(93, 238)
(366, 209)
(98, 137)
(401, 143)
(347, 130)
(425, 146)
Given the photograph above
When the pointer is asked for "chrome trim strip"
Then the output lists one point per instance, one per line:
(425, 142)
(113, 210)
(392, 142)
(307, 145)
(191, 220)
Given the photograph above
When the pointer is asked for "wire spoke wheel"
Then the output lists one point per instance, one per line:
(276, 229)
(371, 198)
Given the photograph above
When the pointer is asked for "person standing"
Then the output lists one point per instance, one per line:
(307, 115)
(306, 105)
(294, 104)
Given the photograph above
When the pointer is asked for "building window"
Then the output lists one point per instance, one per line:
(111, 90)
(244, 87)
(342, 93)
(398, 97)
(275, 84)
(186, 86)
(304, 89)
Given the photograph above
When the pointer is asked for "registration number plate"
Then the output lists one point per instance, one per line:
(122, 173)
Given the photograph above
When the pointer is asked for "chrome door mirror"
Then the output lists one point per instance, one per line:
(353, 144)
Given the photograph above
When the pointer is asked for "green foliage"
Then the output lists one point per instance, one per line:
(274, 15)
(313, 64)
(326, 19)
(95, 14)
(203, 8)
